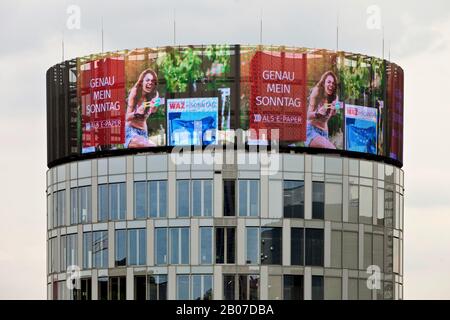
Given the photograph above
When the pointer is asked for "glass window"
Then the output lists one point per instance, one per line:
(71, 250)
(252, 245)
(367, 250)
(314, 247)
(85, 204)
(389, 208)
(353, 167)
(183, 287)
(179, 245)
(117, 200)
(350, 250)
(275, 287)
(157, 195)
(378, 249)
(389, 174)
(318, 164)
(202, 198)
(229, 197)
(318, 199)
(157, 287)
(317, 288)
(137, 243)
(248, 198)
(140, 200)
(117, 288)
(353, 204)
(100, 249)
(183, 198)
(225, 245)
(121, 248)
(380, 207)
(293, 199)
(206, 245)
(333, 201)
(271, 245)
(87, 250)
(365, 204)
(293, 287)
(60, 207)
(161, 246)
(381, 171)
(352, 289)
(297, 246)
(336, 249)
(364, 292)
(365, 169)
(248, 287)
(86, 289)
(102, 288)
(229, 287)
(103, 202)
(333, 165)
(139, 288)
(73, 206)
(333, 288)
(202, 287)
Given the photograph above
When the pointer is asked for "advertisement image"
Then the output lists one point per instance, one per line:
(192, 121)
(361, 129)
(102, 96)
(277, 96)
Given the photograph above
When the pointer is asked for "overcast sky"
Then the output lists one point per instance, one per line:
(417, 35)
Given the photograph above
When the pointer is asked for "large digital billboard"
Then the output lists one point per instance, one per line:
(197, 95)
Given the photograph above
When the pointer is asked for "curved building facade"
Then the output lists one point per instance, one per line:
(225, 172)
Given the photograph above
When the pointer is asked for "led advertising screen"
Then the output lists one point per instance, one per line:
(361, 129)
(192, 121)
(198, 96)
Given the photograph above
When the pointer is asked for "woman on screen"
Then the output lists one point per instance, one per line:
(322, 106)
(142, 101)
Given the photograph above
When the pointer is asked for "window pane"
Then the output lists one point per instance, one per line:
(162, 198)
(161, 246)
(254, 287)
(293, 198)
(87, 250)
(103, 288)
(318, 198)
(353, 205)
(336, 249)
(220, 245)
(365, 204)
(121, 248)
(333, 201)
(367, 250)
(229, 287)
(196, 287)
(333, 165)
(378, 250)
(254, 198)
(196, 198)
(270, 245)
(317, 287)
(182, 287)
(73, 206)
(133, 247)
(140, 196)
(185, 247)
(314, 247)
(122, 201)
(231, 245)
(139, 288)
(229, 198)
(100, 249)
(153, 198)
(366, 169)
(252, 245)
(293, 287)
(350, 250)
(183, 198)
(333, 288)
(206, 245)
(243, 184)
(142, 247)
(174, 246)
(86, 204)
(353, 167)
(275, 287)
(103, 202)
(380, 207)
(207, 196)
(297, 245)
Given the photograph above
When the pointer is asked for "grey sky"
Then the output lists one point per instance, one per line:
(417, 33)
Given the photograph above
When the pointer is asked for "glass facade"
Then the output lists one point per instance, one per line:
(305, 224)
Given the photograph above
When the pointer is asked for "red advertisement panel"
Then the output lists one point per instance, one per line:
(103, 103)
(395, 112)
(278, 95)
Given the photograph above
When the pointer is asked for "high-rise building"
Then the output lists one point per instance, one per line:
(225, 172)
